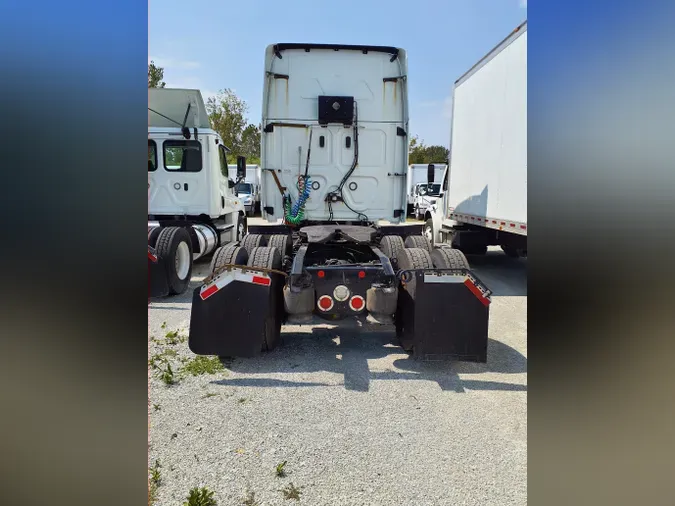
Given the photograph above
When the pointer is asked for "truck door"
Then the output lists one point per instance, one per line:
(179, 186)
(227, 195)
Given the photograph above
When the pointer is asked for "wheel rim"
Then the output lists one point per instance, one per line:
(241, 230)
(182, 260)
(428, 233)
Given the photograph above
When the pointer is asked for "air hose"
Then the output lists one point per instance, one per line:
(295, 214)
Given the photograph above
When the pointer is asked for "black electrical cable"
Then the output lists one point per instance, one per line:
(338, 191)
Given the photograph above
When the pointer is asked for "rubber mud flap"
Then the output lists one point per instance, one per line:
(448, 318)
(231, 321)
(159, 284)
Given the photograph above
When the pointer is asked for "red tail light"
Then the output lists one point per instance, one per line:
(325, 303)
(357, 303)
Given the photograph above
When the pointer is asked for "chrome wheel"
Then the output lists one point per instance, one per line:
(182, 260)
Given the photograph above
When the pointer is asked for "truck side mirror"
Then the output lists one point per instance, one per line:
(430, 173)
(241, 167)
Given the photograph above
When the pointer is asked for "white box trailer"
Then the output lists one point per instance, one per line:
(484, 191)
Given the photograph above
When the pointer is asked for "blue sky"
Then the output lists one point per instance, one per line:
(211, 44)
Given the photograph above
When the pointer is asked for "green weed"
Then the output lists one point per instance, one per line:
(167, 375)
(203, 365)
(200, 497)
(291, 492)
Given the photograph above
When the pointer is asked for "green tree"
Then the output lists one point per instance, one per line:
(250, 144)
(155, 76)
(419, 153)
(227, 114)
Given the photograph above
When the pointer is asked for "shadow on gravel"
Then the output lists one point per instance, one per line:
(347, 351)
(503, 275)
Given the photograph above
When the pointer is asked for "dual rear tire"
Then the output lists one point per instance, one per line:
(174, 246)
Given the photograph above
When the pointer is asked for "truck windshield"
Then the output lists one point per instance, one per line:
(433, 190)
(244, 188)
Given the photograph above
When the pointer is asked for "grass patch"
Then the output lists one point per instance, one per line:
(174, 338)
(209, 395)
(163, 325)
(159, 359)
(157, 407)
(154, 482)
(167, 375)
(280, 469)
(203, 365)
(291, 492)
(242, 400)
(200, 497)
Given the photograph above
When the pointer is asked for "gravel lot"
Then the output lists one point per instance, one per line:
(357, 421)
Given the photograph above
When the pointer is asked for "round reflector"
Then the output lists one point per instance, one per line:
(362, 274)
(321, 274)
(325, 303)
(357, 303)
(341, 293)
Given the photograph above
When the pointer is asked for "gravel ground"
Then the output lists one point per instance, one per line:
(357, 421)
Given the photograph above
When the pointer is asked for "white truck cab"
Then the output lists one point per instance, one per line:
(248, 190)
(423, 196)
(190, 185)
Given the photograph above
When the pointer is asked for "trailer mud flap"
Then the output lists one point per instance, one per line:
(229, 313)
(158, 284)
(447, 318)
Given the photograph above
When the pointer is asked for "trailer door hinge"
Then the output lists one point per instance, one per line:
(400, 132)
(398, 213)
(268, 209)
(396, 174)
(269, 128)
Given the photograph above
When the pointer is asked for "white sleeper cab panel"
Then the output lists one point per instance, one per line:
(488, 167)
(295, 79)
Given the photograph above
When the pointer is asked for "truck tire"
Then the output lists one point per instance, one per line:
(281, 242)
(448, 258)
(252, 241)
(153, 235)
(229, 254)
(418, 241)
(270, 258)
(391, 246)
(174, 246)
(414, 258)
(510, 251)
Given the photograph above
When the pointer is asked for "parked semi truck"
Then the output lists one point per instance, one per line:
(192, 207)
(416, 180)
(484, 190)
(335, 245)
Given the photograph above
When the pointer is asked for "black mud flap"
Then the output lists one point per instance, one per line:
(447, 318)
(158, 284)
(229, 313)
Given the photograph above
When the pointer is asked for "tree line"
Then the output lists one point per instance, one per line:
(228, 115)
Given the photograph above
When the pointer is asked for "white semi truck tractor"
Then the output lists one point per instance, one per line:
(192, 207)
(335, 245)
(484, 190)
